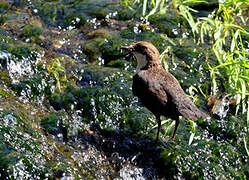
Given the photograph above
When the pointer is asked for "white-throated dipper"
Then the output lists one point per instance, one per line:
(157, 89)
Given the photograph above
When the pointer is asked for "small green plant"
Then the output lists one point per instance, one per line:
(232, 67)
(58, 72)
(228, 48)
(185, 10)
(147, 7)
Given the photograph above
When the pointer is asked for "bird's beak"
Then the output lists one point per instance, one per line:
(126, 47)
(127, 50)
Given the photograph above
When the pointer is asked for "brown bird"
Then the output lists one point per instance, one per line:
(159, 90)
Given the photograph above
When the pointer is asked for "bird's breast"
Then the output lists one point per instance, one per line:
(150, 92)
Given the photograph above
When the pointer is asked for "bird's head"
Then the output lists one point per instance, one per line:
(144, 53)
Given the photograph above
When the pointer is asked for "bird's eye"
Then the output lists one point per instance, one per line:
(139, 49)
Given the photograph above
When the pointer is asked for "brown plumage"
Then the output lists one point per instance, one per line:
(159, 90)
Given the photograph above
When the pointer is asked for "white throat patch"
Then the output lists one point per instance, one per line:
(141, 61)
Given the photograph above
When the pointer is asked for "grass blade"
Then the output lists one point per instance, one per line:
(245, 145)
(144, 7)
(193, 129)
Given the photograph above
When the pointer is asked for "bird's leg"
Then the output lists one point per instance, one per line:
(158, 128)
(174, 134)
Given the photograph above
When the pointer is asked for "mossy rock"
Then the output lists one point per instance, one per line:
(75, 13)
(155, 38)
(102, 33)
(18, 125)
(3, 6)
(125, 14)
(15, 21)
(96, 75)
(103, 48)
(54, 125)
(7, 157)
(117, 64)
(167, 24)
(202, 159)
(96, 8)
(19, 49)
(204, 8)
(34, 87)
(104, 96)
(3, 19)
(92, 49)
(65, 66)
(33, 30)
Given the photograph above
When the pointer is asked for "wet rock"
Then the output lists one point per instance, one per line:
(15, 21)
(132, 32)
(53, 125)
(92, 127)
(204, 8)
(74, 14)
(21, 60)
(3, 6)
(179, 162)
(102, 47)
(125, 13)
(105, 98)
(4, 58)
(134, 156)
(218, 107)
(24, 141)
(91, 49)
(169, 24)
(103, 33)
(96, 76)
(117, 64)
(33, 30)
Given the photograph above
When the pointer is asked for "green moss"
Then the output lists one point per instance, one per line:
(102, 43)
(34, 87)
(32, 30)
(166, 23)
(4, 77)
(24, 146)
(206, 159)
(4, 93)
(104, 101)
(154, 38)
(3, 6)
(102, 33)
(91, 49)
(65, 13)
(126, 14)
(49, 12)
(7, 157)
(117, 64)
(22, 50)
(76, 20)
(3, 19)
(50, 123)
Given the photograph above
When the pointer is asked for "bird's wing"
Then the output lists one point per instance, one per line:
(183, 103)
(145, 87)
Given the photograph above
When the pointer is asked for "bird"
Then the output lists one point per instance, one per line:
(157, 89)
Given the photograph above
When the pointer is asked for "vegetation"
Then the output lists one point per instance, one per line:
(58, 71)
(226, 30)
(223, 30)
(66, 107)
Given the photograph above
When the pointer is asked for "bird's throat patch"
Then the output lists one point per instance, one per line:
(141, 60)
